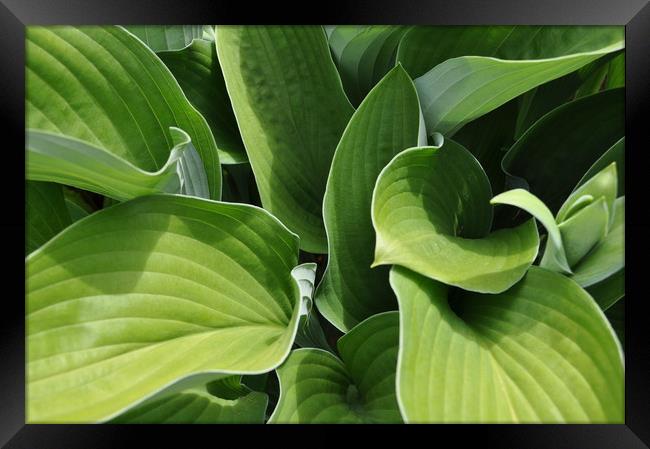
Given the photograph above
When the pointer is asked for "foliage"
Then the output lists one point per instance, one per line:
(340, 224)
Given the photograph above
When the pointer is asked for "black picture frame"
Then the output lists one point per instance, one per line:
(633, 14)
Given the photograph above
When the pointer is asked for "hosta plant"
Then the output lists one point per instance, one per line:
(337, 224)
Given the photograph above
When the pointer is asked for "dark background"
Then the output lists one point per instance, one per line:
(15, 14)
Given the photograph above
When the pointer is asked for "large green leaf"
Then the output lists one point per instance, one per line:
(616, 73)
(166, 37)
(224, 401)
(197, 70)
(291, 109)
(431, 211)
(537, 102)
(564, 144)
(140, 295)
(66, 160)
(541, 351)
(474, 70)
(318, 387)
(363, 55)
(386, 123)
(46, 213)
(102, 85)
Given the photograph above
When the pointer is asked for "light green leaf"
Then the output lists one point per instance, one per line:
(310, 334)
(45, 213)
(291, 109)
(166, 37)
(66, 160)
(583, 230)
(136, 297)
(505, 63)
(318, 387)
(197, 70)
(385, 124)
(608, 256)
(363, 55)
(224, 401)
(432, 214)
(615, 154)
(541, 351)
(602, 185)
(555, 253)
(564, 144)
(102, 85)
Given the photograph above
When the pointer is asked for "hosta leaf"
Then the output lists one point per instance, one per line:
(291, 109)
(224, 401)
(135, 297)
(615, 154)
(555, 253)
(45, 213)
(608, 256)
(166, 37)
(616, 73)
(432, 214)
(64, 159)
(102, 85)
(78, 206)
(601, 185)
(197, 70)
(318, 387)
(310, 334)
(616, 316)
(609, 291)
(487, 138)
(386, 123)
(582, 231)
(504, 63)
(541, 351)
(363, 55)
(564, 144)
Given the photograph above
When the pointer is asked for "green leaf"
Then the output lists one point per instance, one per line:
(363, 55)
(564, 144)
(102, 85)
(291, 109)
(45, 213)
(386, 123)
(616, 153)
(583, 230)
(555, 253)
(616, 73)
(197, 70)
(310, 334)
(166, 37)
(136, 297)
(225, 401)
(601, 185)
(509, 61)
(541, 351)
(432, 214)
(78, 206)
(616, 316)
(488, 137)
(66, 160)
(318, 387)
(609, 291)
(608, 257)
